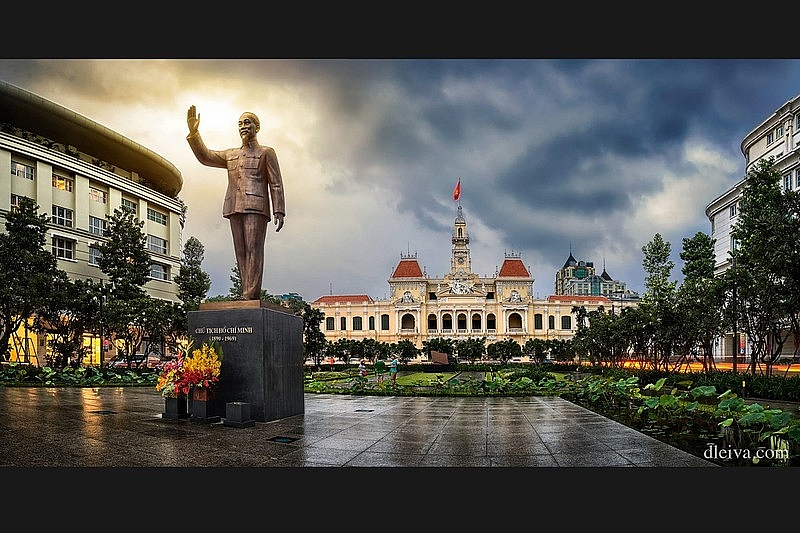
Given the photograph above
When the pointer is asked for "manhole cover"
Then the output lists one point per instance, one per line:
(282, 439)
(103, 412)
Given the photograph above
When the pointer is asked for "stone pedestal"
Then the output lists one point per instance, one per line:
(175, 408)
(262, 355)
(237, 414)
(204, 406)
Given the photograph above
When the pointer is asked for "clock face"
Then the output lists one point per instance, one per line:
(460, 259)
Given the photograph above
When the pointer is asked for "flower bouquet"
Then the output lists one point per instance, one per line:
(192, 369)
(171, 375)
(200, 369)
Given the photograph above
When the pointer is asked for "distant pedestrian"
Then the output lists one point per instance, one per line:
(362, 369)
(380, 369)
(393, 370)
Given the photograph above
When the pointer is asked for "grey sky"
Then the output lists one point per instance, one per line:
(597, 155)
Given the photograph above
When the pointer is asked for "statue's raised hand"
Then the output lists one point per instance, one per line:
(193, 120)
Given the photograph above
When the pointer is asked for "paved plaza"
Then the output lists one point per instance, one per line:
(124, 427)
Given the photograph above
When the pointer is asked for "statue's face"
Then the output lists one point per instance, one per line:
(247, 127)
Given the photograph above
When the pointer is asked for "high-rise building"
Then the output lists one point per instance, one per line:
(579, 278)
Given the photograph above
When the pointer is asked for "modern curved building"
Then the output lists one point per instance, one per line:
(79, 172)
(778, 137)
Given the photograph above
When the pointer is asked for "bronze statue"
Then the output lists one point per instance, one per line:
(254, 182)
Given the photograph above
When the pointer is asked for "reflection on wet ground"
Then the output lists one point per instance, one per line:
(119, 427)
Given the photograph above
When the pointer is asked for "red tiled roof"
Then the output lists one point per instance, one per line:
(343, 298)
(577, 298)
(514, 268)
(407, 268)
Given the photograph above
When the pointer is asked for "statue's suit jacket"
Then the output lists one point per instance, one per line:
(248, 191)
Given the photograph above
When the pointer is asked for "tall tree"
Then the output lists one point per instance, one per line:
(193, 283)
(763, 260)
(313, 338)
(659, 300)
(236, 282)
(71, 311)
(28, 270)
(124, 259)
(701, 298)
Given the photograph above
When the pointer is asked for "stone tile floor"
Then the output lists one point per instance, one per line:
(123, 427)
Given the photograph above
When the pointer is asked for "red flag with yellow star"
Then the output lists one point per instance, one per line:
(457, 191)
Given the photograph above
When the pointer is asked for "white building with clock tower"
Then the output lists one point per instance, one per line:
(459, 305)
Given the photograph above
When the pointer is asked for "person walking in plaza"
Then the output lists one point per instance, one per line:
(380, 370)
(393, 370)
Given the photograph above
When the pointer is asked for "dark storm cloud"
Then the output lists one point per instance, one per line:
(553, 153)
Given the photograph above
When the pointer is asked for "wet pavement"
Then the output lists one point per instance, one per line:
(124, 427)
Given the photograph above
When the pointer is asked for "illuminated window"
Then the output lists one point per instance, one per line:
(15, 198)
(97, 195)
(22, 170)
(63, 183)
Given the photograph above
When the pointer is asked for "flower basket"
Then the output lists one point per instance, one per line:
(196, 373)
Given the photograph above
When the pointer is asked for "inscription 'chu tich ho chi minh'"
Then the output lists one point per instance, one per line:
(226, 329)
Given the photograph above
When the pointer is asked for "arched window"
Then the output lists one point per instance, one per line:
(491, 321)
(343, 323)
(357, 323)
(551, 322)
(447, 321)
(407, 322)
(462, 321)
(431, 322)
(514, 321)
(372, 323)
(537, 321)
(329, 323)
(566, 322)
(476, 321)
(385, 322)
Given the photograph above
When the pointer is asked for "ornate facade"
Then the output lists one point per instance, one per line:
(458, 306)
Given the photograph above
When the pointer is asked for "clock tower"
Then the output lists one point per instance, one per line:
(460, 263)
(460, 279)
